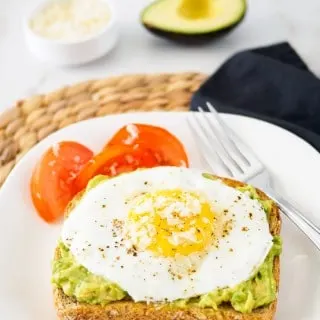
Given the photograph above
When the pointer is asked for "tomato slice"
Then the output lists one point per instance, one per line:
(165, 146)
(52, 182)
(115, 160)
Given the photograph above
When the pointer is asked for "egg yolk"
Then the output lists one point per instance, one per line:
(170, 222)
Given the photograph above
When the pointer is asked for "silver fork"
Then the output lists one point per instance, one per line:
(240, 162)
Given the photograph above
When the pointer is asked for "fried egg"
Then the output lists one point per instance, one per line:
(168, 233)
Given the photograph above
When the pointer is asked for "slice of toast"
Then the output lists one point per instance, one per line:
(69, 309)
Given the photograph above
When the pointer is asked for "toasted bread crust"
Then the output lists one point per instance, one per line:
(69, 309)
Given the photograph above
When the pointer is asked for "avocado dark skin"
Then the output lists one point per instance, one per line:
(189, 38)
(192, 39)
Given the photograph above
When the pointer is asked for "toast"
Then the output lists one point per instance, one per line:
(69, 309)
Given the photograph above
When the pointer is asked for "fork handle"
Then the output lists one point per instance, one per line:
(297, 217)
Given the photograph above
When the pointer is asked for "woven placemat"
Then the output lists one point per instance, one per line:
(33, 119)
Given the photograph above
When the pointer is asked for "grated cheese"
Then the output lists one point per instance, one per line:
(77, 159)
(56, 149)
(113, 170)
(183, 236)
(133, 134)
(71, 20)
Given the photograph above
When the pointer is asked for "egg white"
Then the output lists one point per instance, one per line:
(98, 245)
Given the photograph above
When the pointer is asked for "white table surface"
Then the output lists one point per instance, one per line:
(138, 51)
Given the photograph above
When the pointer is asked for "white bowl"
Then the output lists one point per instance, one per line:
(62, 52)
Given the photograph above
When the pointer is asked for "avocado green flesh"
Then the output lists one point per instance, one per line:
(260, 290)
(76, 281)
(195, 9)
(172, 16)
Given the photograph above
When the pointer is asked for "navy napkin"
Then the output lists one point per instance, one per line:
(270, 83)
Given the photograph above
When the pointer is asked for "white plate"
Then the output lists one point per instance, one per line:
(27, 243)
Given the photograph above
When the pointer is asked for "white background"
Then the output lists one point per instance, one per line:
(267, 22)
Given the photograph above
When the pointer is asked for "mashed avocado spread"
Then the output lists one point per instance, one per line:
(76, 281)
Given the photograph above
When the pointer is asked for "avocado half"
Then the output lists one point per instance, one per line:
(193, 20)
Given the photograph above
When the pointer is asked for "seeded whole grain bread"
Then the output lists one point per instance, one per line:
(69, 309)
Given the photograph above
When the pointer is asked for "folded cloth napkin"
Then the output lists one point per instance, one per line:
(270, 83)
